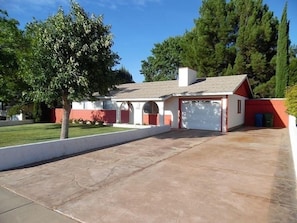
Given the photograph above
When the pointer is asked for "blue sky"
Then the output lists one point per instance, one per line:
(136, 24)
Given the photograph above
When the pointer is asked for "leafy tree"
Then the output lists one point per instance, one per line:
(282, 56)
(123, 76)
(71, 59)
(37, 112)
(164, 62)
(291, 100)
(12, 47)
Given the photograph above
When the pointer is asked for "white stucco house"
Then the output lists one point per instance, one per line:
(212, 103)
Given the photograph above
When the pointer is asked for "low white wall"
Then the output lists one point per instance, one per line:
(11, 123)
(17, 156)
(293, 139)
(131, 126)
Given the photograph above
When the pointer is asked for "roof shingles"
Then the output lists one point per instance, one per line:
(163, 89)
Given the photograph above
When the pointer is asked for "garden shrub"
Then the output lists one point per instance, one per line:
(291, 100)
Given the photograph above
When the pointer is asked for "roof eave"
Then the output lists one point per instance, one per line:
(141, 99)
(175, 95)
(204, 94)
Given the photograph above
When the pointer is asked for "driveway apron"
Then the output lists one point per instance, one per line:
(180, 176)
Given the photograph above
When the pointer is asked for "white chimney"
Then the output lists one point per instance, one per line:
(186, 76)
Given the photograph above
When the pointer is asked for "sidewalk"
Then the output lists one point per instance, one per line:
(17, 209)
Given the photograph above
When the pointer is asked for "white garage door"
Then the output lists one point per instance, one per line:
(205, 115)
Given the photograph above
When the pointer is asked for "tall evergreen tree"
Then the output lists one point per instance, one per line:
(292, 79)
(211, 42)
(256, 40)
(190, 53)
(282, 55)
(230, 37)
(234, 37)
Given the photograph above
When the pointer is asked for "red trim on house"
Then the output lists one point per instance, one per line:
(244, 90)
(154, 119)
(167, 120)
(179, 113)
(125, 116)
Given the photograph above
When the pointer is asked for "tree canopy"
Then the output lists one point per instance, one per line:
(292, 77)
(282, 59)
(71, 59)
(291, 100)
(12, 47)
(256, 41)
(211, 40)
(164, 62)
(233, 38)
(123, 76)
(229, 38)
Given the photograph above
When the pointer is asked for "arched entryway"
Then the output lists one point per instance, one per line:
(150, 113)
(126, 112)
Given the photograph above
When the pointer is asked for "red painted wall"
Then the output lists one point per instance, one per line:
(107, 116)
(275, 106)
(125, 116)
(153, 119)
(167, 120)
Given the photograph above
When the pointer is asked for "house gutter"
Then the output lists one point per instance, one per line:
(141, 99)
(205, 94)
(169, 96)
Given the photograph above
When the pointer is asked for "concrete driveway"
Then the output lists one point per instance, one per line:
(180, 176)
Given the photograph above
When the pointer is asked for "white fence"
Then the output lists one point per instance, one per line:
(293, 139)
(17, 156)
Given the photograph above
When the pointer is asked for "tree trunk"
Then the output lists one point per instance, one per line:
(65, 119)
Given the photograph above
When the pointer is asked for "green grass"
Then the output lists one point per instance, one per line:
(23, 134)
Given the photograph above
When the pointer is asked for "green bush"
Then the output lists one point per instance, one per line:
(37, 112)
(291, 100)
(14, 110)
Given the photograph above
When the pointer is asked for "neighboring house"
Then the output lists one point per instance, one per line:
(212, 103)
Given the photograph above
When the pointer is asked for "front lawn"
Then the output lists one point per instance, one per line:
(23, 134)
